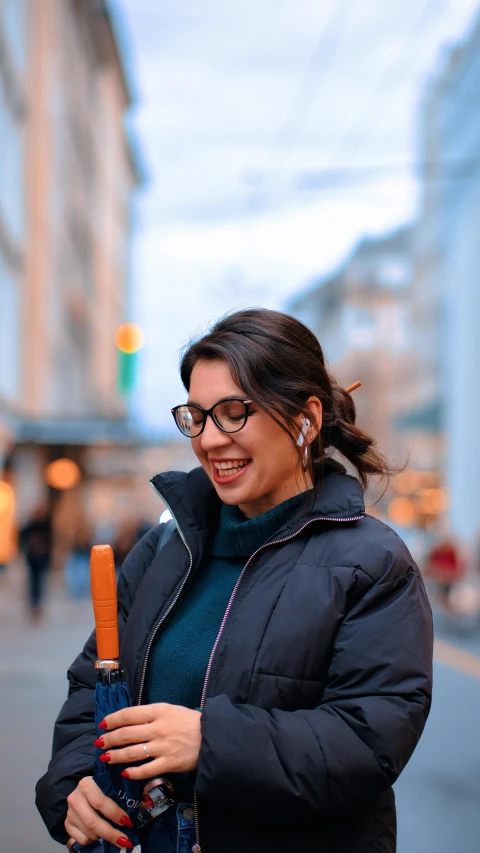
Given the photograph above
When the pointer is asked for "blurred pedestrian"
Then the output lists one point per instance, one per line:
(35, 542)
(278, 645)
(77, 564)
(445, 565)
(124, 541)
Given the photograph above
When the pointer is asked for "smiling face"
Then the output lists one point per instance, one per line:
(256, 468)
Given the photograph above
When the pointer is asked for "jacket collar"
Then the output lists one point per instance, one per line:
(195, 505)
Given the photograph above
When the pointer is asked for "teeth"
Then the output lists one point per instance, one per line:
(230, 465)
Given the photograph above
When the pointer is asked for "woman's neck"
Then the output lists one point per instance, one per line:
(251, 509)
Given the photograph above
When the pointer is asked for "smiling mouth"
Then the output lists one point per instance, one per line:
(228, 469)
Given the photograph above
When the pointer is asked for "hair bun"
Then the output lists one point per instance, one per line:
(343, 405)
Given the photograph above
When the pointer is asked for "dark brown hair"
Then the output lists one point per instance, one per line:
(279, 363)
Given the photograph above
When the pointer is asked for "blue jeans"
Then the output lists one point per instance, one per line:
(77, 574)
(171, 832)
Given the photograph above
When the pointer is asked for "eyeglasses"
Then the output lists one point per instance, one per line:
(229, 415)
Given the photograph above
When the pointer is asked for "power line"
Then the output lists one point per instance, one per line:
(330, 179)
(318, 65)
(433, 172)
(391, 77)
(321, 61)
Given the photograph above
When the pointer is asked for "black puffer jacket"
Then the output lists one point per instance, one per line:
(320, 682)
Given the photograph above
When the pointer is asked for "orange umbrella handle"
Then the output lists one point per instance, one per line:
(104, 596)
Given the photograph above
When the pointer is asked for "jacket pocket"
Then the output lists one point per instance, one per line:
(268, 690)
(298, 641)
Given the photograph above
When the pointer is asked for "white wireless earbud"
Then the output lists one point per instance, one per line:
(303, 433)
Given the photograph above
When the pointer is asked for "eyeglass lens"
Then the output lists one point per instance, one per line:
(229, 415)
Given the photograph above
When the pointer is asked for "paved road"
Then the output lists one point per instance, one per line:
(438, 795)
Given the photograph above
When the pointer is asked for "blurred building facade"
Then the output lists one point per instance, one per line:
(448, 268)
(365, 317)
(68, 172)
(80, 174)
(360, 317)
(13, 119)
(416, 345)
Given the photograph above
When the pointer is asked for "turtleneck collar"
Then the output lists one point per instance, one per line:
(238, 536)
(195, 505)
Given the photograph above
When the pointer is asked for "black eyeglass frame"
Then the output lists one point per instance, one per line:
(207, 412)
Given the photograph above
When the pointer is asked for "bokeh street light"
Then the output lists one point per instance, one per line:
(7, 523)
(63, 474)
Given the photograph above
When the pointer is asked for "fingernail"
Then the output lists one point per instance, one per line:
(124, 842)
(124, 773)
(104, 757)
(102, 725)
(125, 821)
(99, 742)
(147, 801)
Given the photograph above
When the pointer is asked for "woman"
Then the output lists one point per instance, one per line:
(279, 645)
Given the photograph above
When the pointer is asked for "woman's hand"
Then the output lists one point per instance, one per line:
(84, 822)
(165, 738)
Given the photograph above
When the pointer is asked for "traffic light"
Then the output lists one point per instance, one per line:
(129, 339)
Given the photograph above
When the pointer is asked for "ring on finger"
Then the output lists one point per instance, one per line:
(145, 750)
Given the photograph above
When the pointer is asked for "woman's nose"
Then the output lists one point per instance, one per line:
(212, 437)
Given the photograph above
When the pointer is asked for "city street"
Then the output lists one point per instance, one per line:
(266, 216)
(437, 796)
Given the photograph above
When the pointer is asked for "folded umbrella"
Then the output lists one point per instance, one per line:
(111, 694)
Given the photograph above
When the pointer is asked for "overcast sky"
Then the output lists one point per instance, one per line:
(241, 106)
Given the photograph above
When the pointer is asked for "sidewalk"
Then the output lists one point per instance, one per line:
(33, 665)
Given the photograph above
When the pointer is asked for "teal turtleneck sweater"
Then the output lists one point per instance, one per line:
(179, 658)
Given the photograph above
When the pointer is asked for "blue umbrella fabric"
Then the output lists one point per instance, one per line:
(111, 697)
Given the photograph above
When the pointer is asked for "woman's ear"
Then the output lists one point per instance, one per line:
(314, 406)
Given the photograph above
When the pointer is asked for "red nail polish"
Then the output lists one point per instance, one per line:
(99, 742)
(147, 801)
(104, 757)
(102, 725)
(124, 842)
(125, 821)
(124, 773)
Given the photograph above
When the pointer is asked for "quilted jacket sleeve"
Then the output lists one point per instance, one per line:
(310, 763)
(73, 753)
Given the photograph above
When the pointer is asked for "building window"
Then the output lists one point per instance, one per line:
(11, 170)
(13, 14)
(9, 333)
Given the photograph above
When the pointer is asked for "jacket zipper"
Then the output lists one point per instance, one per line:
(172, 605)
(196, 847)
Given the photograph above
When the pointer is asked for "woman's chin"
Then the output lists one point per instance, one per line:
(233, 493)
